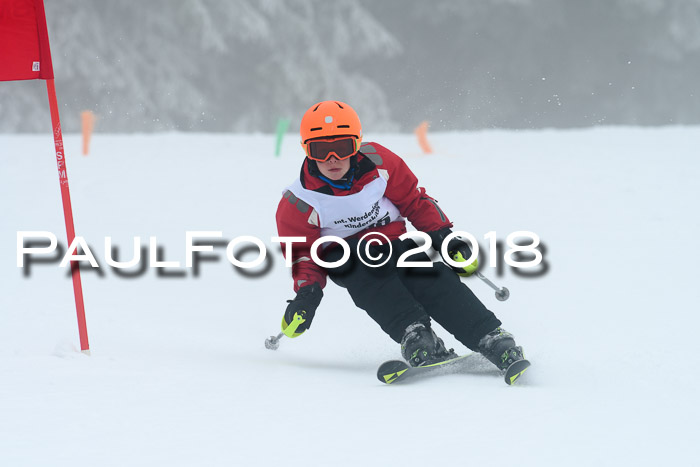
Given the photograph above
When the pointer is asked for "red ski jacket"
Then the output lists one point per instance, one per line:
(296, 218)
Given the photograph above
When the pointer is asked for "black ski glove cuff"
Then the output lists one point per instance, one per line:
(456, 244)
(308, 298)
(438, 236)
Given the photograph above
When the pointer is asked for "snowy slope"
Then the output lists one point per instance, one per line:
(179, 375)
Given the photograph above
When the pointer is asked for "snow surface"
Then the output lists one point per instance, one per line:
(179, 375)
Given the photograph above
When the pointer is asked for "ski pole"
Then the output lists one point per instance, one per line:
(273, 342)
(502, 293)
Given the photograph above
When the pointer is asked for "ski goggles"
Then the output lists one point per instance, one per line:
(322, 149)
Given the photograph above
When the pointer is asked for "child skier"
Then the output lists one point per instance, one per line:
(349, 189)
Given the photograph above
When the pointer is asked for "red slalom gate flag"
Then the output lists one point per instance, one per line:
(25, 54)
(24, 41)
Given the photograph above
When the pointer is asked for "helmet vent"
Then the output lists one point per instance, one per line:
(319, 105)
(338, 104)
(343, 126)
(316, 129)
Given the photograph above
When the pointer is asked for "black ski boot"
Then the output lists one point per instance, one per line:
(499, 348)
(420, 346)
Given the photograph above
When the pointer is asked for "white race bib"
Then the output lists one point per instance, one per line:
(344, 216)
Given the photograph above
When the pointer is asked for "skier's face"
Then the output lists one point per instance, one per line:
(333, 168)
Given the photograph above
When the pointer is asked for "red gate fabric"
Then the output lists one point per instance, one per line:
(24, 41)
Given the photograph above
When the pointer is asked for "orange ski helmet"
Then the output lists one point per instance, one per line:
(330, 119)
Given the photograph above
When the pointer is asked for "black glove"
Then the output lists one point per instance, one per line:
(438, 236)
(458, 249)
(300, 311)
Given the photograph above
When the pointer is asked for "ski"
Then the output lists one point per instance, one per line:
(398, 370)
(516, 370)
(392, 371)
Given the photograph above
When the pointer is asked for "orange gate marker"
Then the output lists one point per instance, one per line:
(422, 135)
(88, 118)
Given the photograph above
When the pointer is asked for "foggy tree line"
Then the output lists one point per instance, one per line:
(240, 65)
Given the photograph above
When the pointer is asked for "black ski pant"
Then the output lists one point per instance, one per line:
(395, 297)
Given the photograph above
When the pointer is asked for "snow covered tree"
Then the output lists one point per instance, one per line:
(204, 64)
(239, 65)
